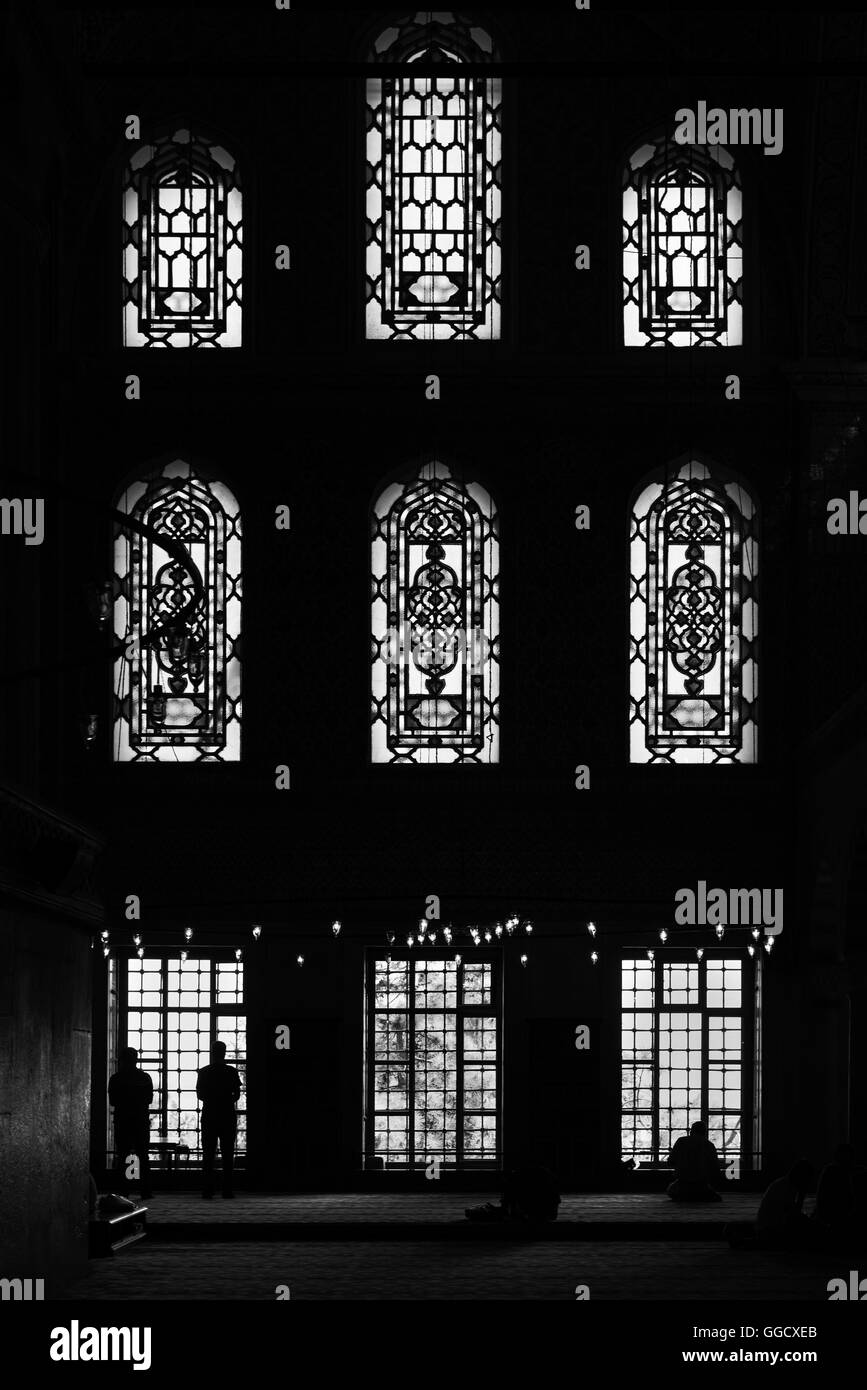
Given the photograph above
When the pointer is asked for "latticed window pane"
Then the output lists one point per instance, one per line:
(182, 245)
(682, 1054)
(693, 619)
(682, 246)
(435, 621)
(173, 1013)
(177, 609)
(433, 1068)
(433, 186)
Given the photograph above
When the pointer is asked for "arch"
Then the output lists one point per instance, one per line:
(433, 204)
(435, 620)
(177, 612)
(693, 617)
(682, 246)
(182, 244)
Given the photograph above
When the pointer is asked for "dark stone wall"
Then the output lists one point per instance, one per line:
(45, 1044)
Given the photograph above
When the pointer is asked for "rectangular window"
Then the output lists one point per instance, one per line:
(432, 1063)
(172, 1012)
(683, 1037)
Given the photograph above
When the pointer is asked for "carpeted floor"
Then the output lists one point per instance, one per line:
(406, 1270)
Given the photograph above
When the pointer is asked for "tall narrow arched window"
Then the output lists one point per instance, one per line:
(182, 245)
(682, 246)
(693, 614)
(433, 184)
(177, 611)
(435, 621)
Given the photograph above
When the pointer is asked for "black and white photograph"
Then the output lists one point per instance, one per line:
(433, 687)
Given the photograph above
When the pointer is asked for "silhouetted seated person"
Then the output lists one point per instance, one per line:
(131, 1091)
(780, 1221)
(529, 1194)
(218, 1087)
(835, 1194)
(696, 1168)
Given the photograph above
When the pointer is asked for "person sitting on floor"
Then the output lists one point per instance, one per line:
(780, 1219)
(529, 1194)
(696, 1168)
(835, 1194)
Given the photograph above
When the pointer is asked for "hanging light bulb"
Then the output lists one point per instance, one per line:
(188, 933)
(528, 928)
(300, 960)
(136, 941)
(699, 950)
(751, 950)
(720, 932)
(474, 933)
(422, 926)
(184, 955)
(103, 936)
(488, 934)
(756, 933)
(651, 955)
(594, 956)
(257, 932)
(663, 934)
(106, 953)
(389, 936)
(238, 953)
(458, 960)
(140, 952)
(498, 929)
(335, 929)
(432, 936)
(523, 959)
(447, 933)
(769, 944)
(591, 927)
(410, 939)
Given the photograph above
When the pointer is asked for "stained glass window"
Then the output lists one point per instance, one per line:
(182, 245)
(693, 613)
(682, 246)
(433, 1063)
(177, 610)
(435, 621)
(682, 1054)
(433, 185)
(174, 1011)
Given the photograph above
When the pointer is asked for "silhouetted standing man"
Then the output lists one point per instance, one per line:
(218, 1088)
(131, 1092)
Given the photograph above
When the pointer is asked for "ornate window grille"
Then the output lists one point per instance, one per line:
(182, 245)
(177, 610)
(433, 1062)
(682, 246)
(435, 621)
(433, 185)
(684, 1054)
(693, 613)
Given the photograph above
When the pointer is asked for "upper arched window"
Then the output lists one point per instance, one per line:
(433, 185)
(693, 614)
(182, 245)
(177, 610)
(682, 246)
(435, 621)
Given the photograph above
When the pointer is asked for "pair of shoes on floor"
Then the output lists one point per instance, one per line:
(487, 1212)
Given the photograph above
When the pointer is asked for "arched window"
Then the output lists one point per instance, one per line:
(435, 621)
(693, 556)
(177, 610)
(682, 246)
(433, 185)
(182, 236)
